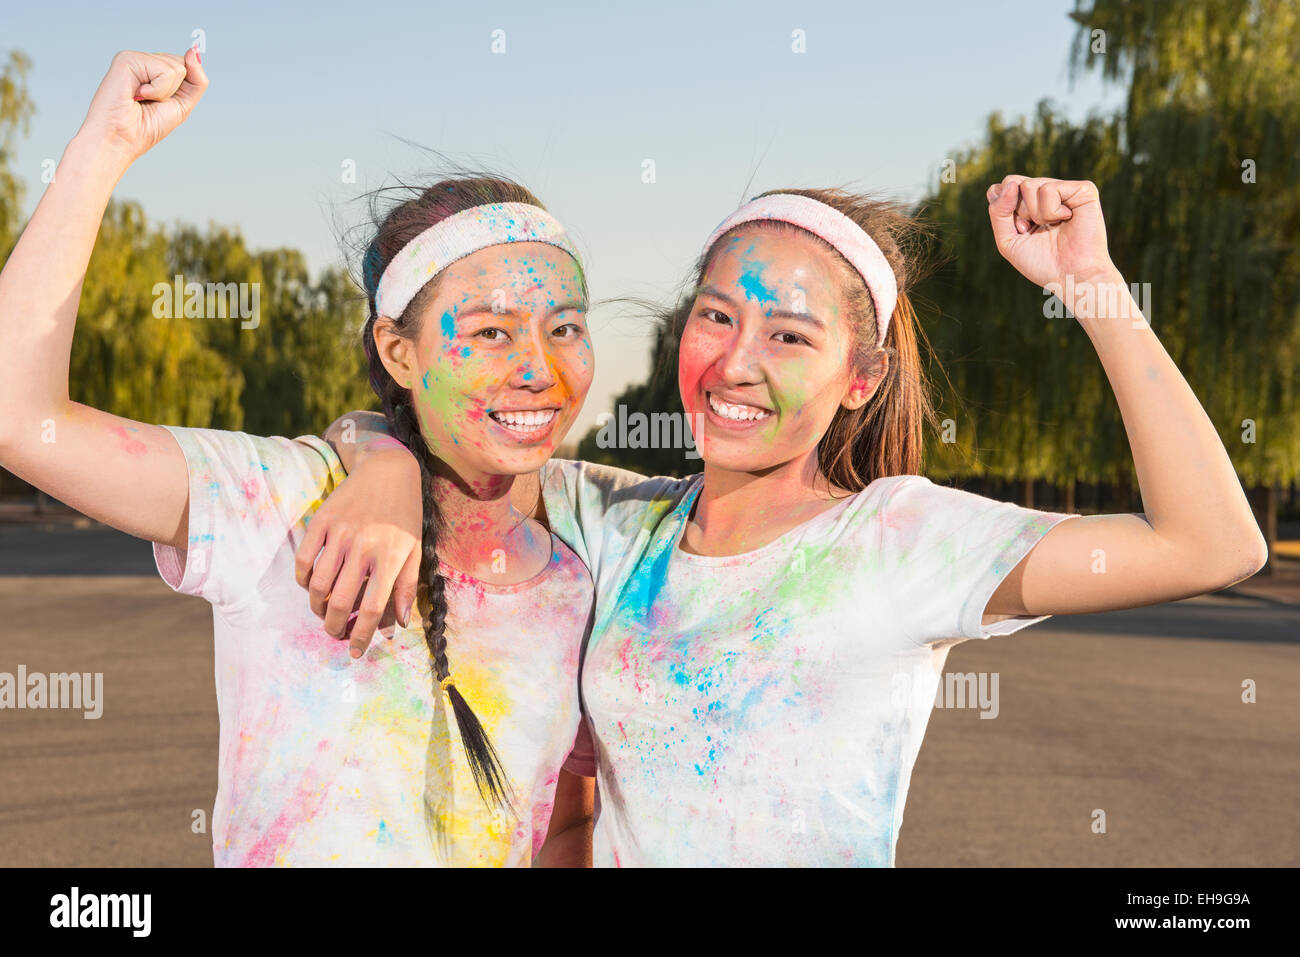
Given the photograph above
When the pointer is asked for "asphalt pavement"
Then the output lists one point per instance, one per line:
(1121, 739)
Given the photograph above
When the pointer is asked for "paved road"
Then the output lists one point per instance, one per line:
(1137, 714)
(65, 550)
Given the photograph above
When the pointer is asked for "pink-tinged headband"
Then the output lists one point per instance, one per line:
(827, 223)
(457, 236)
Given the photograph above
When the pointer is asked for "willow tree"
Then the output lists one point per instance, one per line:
(300, 358)
(1209, 197)
(129, 356)
(1022, 395)
(657, 405)
(16, 109)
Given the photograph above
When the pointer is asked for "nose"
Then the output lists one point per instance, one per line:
(740, 364)
(533, 369)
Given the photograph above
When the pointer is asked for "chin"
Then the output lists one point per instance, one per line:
(731, 459)
(523, 461)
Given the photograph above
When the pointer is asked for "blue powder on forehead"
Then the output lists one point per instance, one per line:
(751, 280)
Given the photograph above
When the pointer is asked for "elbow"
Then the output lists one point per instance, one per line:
(14, 413)
(1246, 558)
(1257, 552)
(8, 439)
(25, 428)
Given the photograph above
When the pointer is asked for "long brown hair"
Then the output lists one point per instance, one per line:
(885, 435)
(402, 223)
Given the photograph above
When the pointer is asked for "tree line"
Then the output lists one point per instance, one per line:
(138, 353)
(1199, 174)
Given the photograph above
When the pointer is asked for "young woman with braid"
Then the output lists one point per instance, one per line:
(770, 635)
(478, 350)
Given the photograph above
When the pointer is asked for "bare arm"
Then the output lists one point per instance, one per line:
(127, 474)
(568, 840)
(363, 544)
(355, 436)
(1197, 533)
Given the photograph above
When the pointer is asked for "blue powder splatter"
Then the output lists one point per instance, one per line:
(751, 280)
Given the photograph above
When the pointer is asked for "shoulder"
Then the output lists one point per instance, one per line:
(612, 486)
(273, 470)
(600, 510)
(914, 493)
(868, 504)
(249, 497)
(562, 556)
(241, 448)
(900, 511)
(567, 565)
(918, 515)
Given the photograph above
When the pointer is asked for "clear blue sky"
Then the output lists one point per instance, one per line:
(583, 94)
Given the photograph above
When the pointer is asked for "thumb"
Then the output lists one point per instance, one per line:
(1002, 198)
(195, 81)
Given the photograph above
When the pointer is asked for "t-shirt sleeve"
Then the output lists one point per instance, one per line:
(582, 757)
(949, 550)
(248, 496)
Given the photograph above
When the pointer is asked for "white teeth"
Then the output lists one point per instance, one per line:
(525, 421)
(737, 413)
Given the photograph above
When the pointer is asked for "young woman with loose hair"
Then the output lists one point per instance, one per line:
(770, 634)
(479, 353)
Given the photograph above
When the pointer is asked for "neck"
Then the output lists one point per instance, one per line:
(737, 506)
(477, 517)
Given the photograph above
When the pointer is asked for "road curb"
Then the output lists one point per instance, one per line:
(1232, 592)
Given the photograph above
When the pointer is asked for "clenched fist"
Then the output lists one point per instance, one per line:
(1050, 228)
(142, 98)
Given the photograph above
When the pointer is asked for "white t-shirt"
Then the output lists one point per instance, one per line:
(766, 709)
(325, 760)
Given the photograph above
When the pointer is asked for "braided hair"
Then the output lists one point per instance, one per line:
(398, 227)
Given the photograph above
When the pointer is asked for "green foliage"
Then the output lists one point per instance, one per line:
(1200, 180)
(291, 373)
(659, 394)
(287, 370)
(1210, 197)
(128, 361)
(1022, 382)
(1209, 56)
(16, 109)
(302, 365)
(1211, 86)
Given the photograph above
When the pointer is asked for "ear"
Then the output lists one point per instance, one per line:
(863, 383)
(396, 352)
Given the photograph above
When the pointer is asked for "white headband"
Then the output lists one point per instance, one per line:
(850, 239)
(456, 237)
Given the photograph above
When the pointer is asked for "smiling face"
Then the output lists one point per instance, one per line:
(502, 362)
(766, 353)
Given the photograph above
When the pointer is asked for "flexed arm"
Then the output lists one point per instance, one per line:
(127, 474)
(1197, 533)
